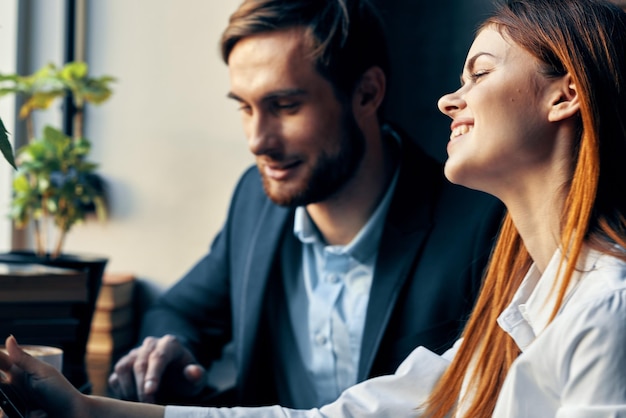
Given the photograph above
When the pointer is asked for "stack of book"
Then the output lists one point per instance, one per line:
(113, 328)
(37, 303)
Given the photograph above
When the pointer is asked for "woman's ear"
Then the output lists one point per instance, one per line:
(565, 103)
(369, 93)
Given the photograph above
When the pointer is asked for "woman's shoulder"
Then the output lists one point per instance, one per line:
(598, 303)
(600, 279)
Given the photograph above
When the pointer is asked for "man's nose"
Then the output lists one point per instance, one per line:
(262, 134)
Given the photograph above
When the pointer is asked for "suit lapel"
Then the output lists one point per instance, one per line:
(406, 229)
(263, 246)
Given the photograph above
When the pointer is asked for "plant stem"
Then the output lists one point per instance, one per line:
(78, 123)
(60, 241)
(62, 228)
(30, 130)
(39, 248)
(45, 216)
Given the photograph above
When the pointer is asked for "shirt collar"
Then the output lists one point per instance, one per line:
(530, 310)
(365, 243)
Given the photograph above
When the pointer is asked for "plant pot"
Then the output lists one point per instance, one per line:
(74, 367)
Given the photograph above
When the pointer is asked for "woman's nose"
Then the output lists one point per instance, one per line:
(450, 103)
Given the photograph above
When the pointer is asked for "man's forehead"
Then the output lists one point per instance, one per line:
(279, 43)
(273, 65)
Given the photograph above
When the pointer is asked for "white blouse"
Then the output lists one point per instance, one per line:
(573, 367)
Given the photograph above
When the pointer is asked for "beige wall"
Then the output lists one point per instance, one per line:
(8, 65)
(169, 142)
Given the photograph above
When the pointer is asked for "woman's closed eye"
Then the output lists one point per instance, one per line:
(478, 74)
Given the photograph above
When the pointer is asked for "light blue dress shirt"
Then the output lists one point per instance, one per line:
(328, 303)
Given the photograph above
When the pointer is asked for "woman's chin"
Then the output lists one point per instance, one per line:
(453, 172)
(462, 175)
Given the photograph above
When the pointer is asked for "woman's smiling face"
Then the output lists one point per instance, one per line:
(500, 128)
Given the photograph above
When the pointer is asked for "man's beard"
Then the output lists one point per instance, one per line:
(330, 173)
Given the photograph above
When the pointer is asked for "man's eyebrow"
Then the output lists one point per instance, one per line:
(273, 95)
(472, 61)
(233, 96)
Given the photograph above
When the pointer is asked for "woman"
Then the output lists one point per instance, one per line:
(539, 122)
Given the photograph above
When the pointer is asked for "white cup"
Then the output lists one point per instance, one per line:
(45, 353)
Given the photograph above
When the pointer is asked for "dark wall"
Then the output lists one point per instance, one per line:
(428, 44)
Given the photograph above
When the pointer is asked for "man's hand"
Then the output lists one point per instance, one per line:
(160, 367)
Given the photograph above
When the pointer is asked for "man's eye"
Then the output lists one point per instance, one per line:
(285, 106)
(244, 108)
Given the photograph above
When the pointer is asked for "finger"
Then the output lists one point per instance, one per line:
(196, 376)
(122, 380)
(194, 373)
(145, 358)
(5, 362)
(115, 387)
(165, 351)
(22, 359)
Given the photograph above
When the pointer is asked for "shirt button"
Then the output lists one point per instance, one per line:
(320, 339)
(333, 278)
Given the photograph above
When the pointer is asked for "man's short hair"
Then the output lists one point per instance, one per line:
(346, 36)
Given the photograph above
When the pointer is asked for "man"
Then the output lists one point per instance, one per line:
(343, 250)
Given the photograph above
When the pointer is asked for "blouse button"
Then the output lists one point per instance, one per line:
(320, 339)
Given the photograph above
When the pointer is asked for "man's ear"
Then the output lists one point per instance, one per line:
(370, 92)
(565, 103)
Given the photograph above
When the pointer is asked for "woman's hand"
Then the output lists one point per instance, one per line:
(45, 390)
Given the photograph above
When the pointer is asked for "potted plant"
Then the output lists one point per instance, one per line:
(56, 186)
(55, 182)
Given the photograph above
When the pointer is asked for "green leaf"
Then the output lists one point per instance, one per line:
(5, 145)
(20, 184)
(74, 71)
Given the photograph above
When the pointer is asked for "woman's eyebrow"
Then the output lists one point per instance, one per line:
(472, 61)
